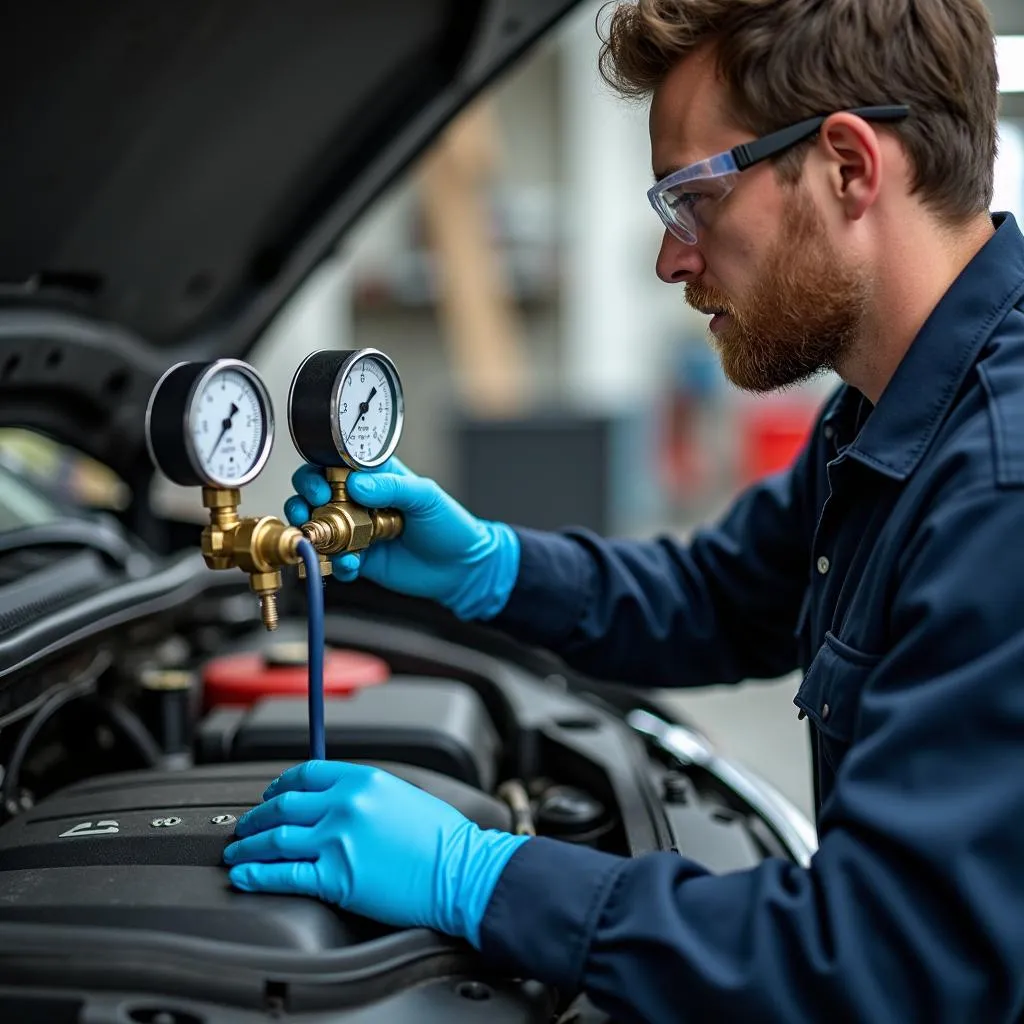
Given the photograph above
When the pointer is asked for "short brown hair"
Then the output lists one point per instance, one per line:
(785, 60)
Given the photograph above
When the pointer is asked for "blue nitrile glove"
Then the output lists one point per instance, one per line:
(467, 564)
(372, 843)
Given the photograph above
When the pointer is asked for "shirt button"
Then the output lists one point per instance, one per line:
(824, 711)
(829, 433)
(824, 565)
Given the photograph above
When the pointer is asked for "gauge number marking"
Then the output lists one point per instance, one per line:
(366, 410)
(228, 426)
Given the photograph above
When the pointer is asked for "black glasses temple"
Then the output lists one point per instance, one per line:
(777, 142)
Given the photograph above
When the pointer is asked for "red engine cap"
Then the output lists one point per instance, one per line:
(280, 671)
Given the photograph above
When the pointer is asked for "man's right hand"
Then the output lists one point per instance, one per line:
(467, 564)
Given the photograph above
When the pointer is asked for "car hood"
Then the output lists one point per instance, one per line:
(172, 172)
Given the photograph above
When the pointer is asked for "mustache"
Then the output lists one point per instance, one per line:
(707, 300)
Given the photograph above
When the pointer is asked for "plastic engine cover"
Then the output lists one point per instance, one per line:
(135, 858)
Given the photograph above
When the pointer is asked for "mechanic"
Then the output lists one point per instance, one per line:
(887, 563)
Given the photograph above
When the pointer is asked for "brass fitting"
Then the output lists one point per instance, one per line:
(341, 525)
(216, 541)
(265, 586)
(259, 546)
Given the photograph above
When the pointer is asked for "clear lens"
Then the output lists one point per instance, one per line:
(678, 212)
(678, 199)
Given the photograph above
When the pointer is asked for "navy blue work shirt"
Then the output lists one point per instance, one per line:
(888, 565)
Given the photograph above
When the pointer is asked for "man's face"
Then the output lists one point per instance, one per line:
(789, 303)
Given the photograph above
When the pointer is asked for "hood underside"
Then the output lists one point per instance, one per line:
(172, 172)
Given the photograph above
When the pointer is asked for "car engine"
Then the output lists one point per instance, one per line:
(143, 711)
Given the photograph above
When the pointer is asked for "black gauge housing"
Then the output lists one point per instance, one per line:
(168, 418)
(313, 403)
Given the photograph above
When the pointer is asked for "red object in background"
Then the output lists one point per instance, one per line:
(243, 679)
(771, 436)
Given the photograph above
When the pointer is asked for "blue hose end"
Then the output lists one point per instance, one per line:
(315, 654)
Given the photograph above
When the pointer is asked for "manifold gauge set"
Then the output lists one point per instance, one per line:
(211, 425)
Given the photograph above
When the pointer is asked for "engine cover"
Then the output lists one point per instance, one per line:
(144, 850)
(135, 858)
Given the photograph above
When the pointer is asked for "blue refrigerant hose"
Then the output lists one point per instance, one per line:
(315, 616)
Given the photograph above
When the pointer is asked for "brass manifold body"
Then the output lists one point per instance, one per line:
(262, 545)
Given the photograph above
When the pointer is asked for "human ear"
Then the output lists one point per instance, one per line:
(854, 162)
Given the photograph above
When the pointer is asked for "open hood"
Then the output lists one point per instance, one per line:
(171, 172)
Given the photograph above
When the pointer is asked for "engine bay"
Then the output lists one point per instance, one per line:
(132, 742)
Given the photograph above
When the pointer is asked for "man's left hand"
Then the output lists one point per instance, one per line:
(372, 843)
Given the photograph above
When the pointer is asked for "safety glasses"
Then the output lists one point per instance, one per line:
(677, 199)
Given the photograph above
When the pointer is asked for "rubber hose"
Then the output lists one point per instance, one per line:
(53, 704)
(315, 655)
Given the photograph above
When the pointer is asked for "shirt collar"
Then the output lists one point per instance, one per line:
(901, 427)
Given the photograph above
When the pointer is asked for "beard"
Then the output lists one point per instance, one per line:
(804, 316)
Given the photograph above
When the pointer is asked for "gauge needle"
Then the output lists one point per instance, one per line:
(364, 408)
(225, 426)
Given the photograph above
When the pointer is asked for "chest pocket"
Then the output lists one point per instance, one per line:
(830, 695)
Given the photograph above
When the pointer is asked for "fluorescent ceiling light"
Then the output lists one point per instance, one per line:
(1010, 54)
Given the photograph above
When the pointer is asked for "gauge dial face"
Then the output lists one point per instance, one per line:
(228, 426)
(367, 410)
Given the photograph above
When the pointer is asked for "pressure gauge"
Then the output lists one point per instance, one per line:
(210, 424)
(346, 408)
